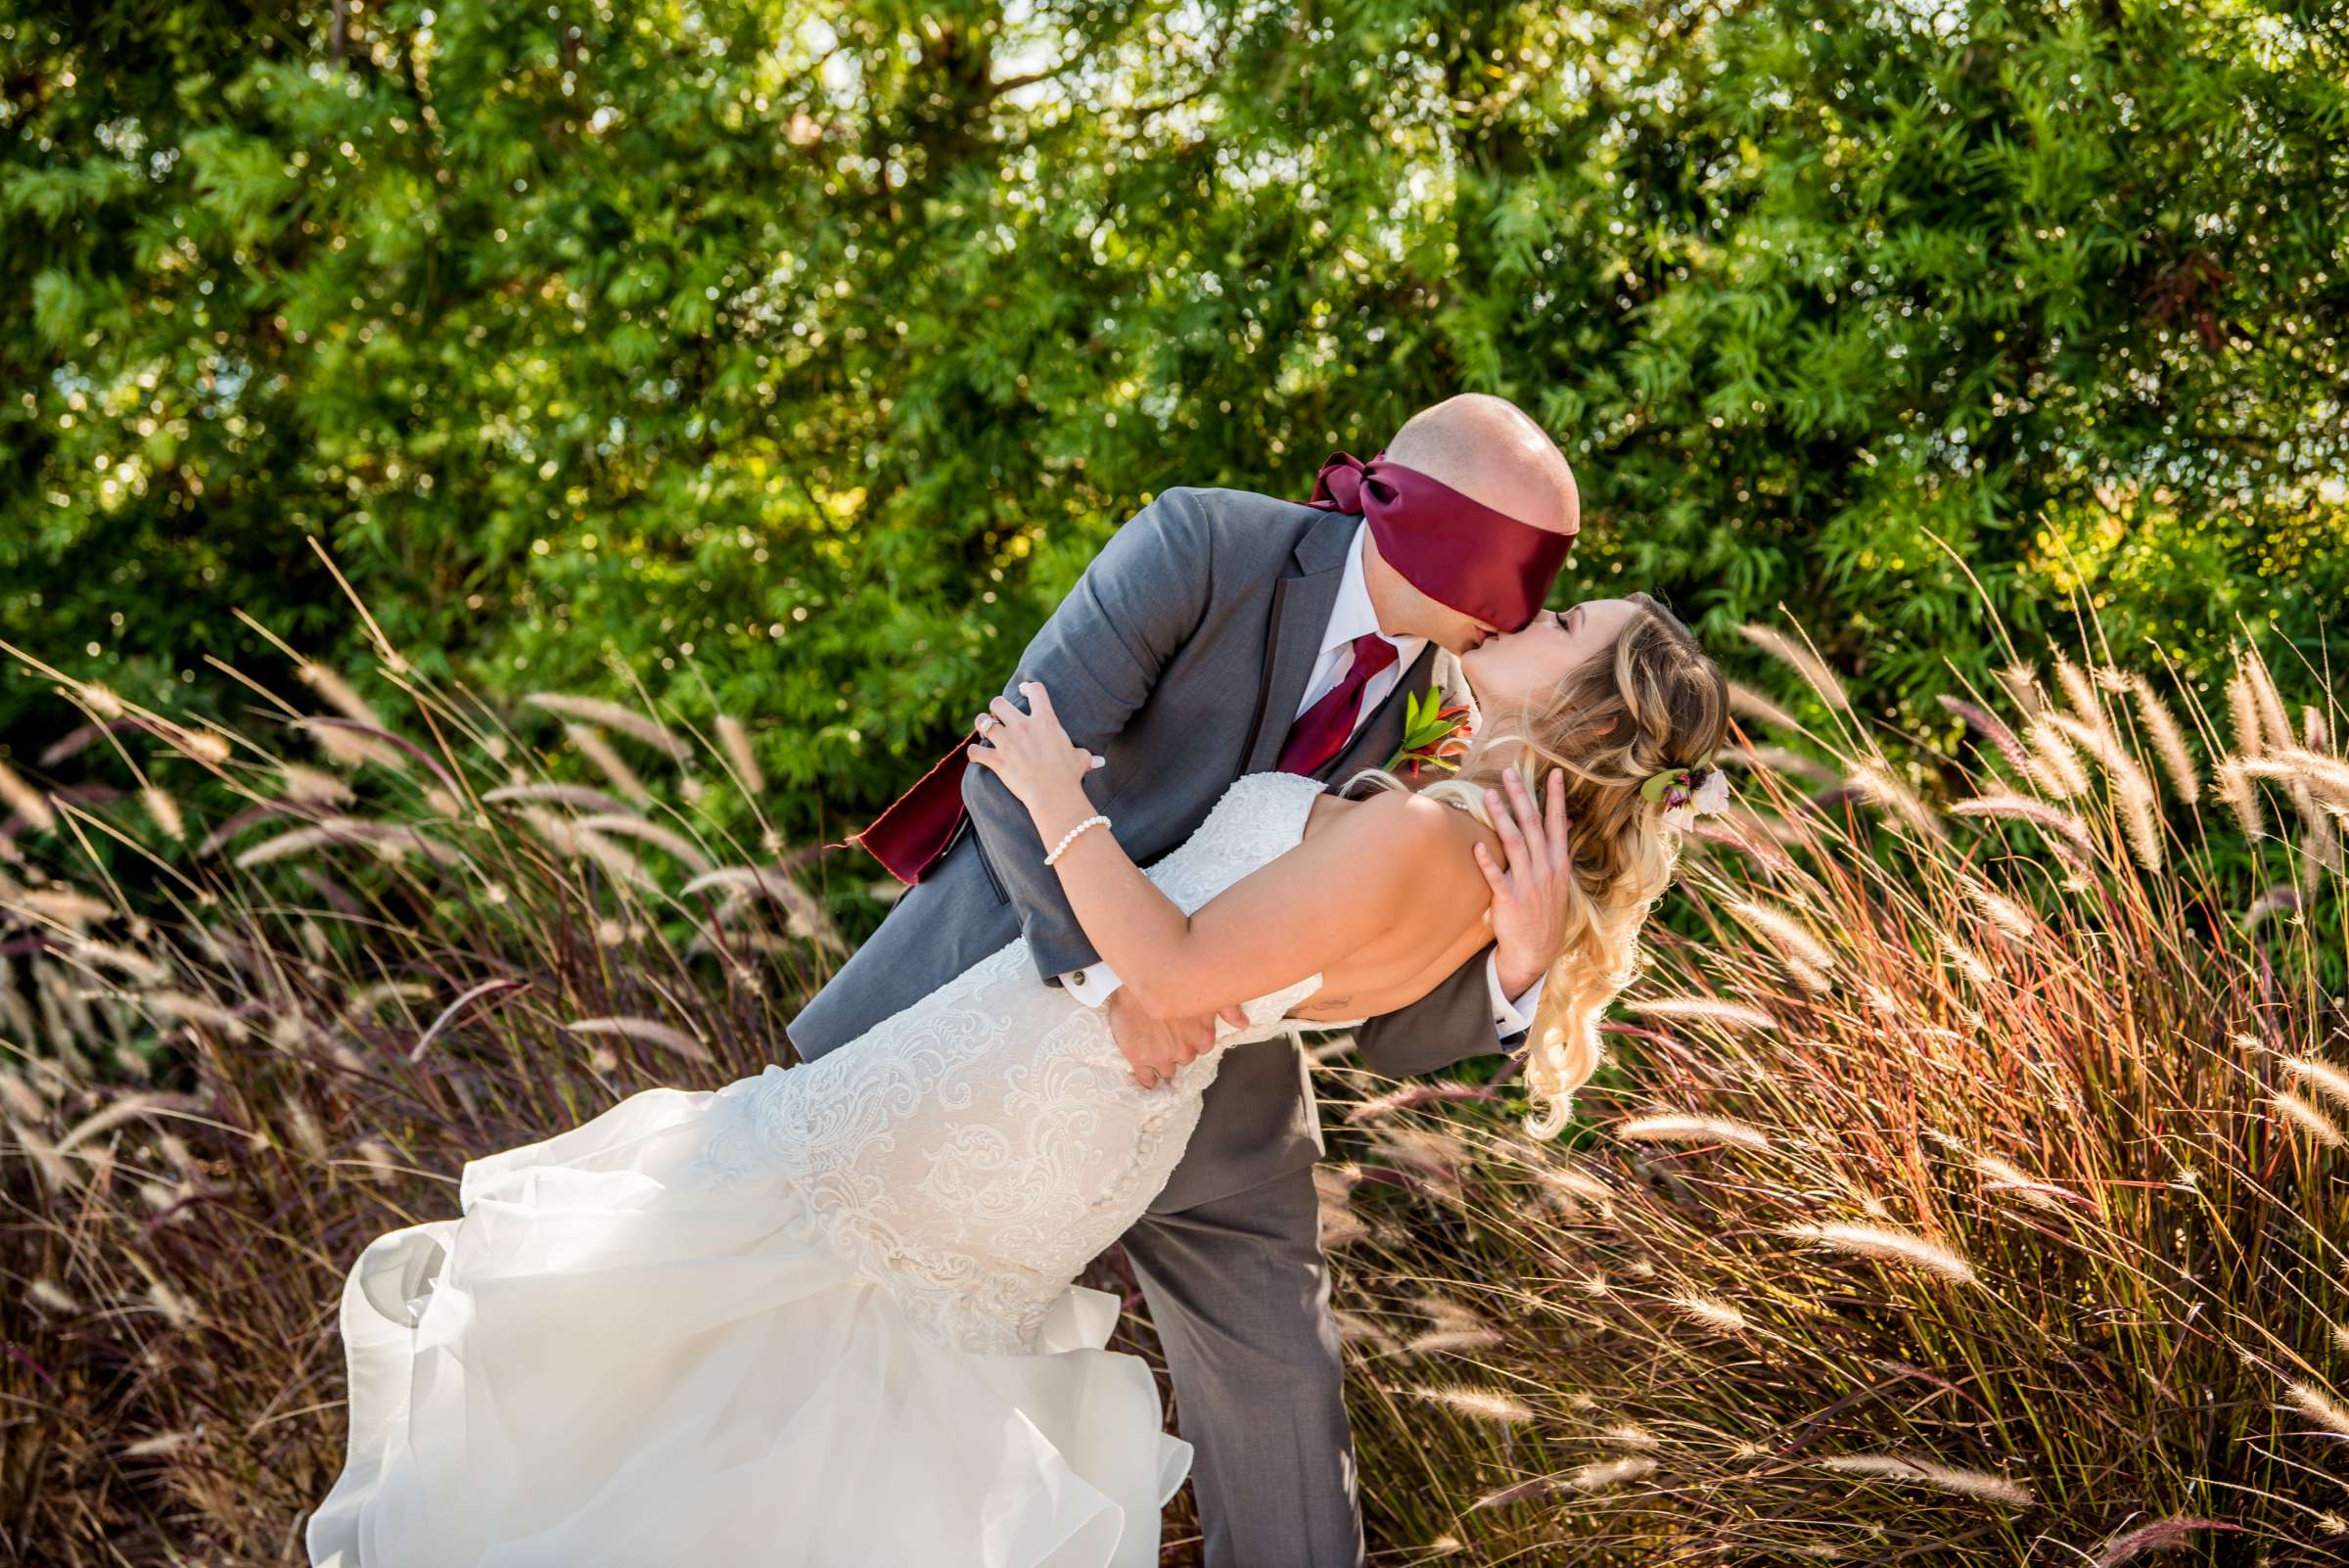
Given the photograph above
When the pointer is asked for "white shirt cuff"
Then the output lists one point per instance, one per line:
(1092, 983)
(1510, 1017)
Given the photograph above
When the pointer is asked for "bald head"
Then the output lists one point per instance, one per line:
(1490, 450)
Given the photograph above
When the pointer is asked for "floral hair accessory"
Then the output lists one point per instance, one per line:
(1687, 793)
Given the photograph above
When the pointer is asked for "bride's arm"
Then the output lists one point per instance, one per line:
(1392, 860)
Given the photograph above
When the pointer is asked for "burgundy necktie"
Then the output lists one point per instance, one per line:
(1322, 730)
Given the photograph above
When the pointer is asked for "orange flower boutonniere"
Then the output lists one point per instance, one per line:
(1434, 735)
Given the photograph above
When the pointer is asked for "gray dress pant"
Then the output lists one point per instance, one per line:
(1240, 1292)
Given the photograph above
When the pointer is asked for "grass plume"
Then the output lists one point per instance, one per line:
(2044, 1267)
(1962, 1195)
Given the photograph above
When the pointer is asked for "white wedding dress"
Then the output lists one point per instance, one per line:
(821, 1318)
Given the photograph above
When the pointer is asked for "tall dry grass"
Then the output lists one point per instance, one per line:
(1972, 1188)
(1965, 1187)
(240, 1041)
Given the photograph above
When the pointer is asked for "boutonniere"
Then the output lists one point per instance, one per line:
(1435, 734)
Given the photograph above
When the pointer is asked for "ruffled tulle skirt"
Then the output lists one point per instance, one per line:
(604, 1364)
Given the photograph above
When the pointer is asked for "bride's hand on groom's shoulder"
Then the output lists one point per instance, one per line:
(1030, 751)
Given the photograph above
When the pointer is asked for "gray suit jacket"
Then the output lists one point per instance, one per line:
(1180, 656)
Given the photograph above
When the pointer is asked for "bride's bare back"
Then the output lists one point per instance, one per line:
(1434, 932)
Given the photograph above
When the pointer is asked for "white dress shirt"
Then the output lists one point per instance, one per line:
(1349, 617)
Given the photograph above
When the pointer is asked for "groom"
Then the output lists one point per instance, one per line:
(1222, 633)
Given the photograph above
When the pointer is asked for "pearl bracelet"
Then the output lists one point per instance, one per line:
(1070, 837)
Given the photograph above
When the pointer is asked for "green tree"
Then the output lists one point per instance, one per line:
(792, 359)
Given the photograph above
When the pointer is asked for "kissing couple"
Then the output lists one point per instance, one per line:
(826, 1317)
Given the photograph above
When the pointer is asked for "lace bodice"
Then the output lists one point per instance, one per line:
(976, 1150)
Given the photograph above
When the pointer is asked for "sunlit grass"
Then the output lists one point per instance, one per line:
(1965, 1187)
(239, 1048)
(1970, 1191)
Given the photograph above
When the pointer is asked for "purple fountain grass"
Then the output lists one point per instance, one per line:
(288, 1035)
(2039, 1223)
(1960, 1186)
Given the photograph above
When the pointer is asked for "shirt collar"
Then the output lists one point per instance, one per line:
(1354, 614)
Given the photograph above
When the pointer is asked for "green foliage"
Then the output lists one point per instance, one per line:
(791, 360)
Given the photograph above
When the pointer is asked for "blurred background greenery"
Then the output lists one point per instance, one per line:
(791, 359)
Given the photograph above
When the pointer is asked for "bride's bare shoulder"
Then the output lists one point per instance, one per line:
(1421, 834)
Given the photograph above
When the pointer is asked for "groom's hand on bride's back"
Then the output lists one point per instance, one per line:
(1154, 1048)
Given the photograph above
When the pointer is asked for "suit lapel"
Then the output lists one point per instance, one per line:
(1302, 601)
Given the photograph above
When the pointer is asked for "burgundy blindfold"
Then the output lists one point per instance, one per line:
(1455, 549)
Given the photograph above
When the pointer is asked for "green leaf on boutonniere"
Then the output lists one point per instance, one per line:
(1433, 734)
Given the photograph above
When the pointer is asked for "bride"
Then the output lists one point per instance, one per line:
(825, 1316)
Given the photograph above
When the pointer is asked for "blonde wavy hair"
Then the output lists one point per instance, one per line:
(1658, 704)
